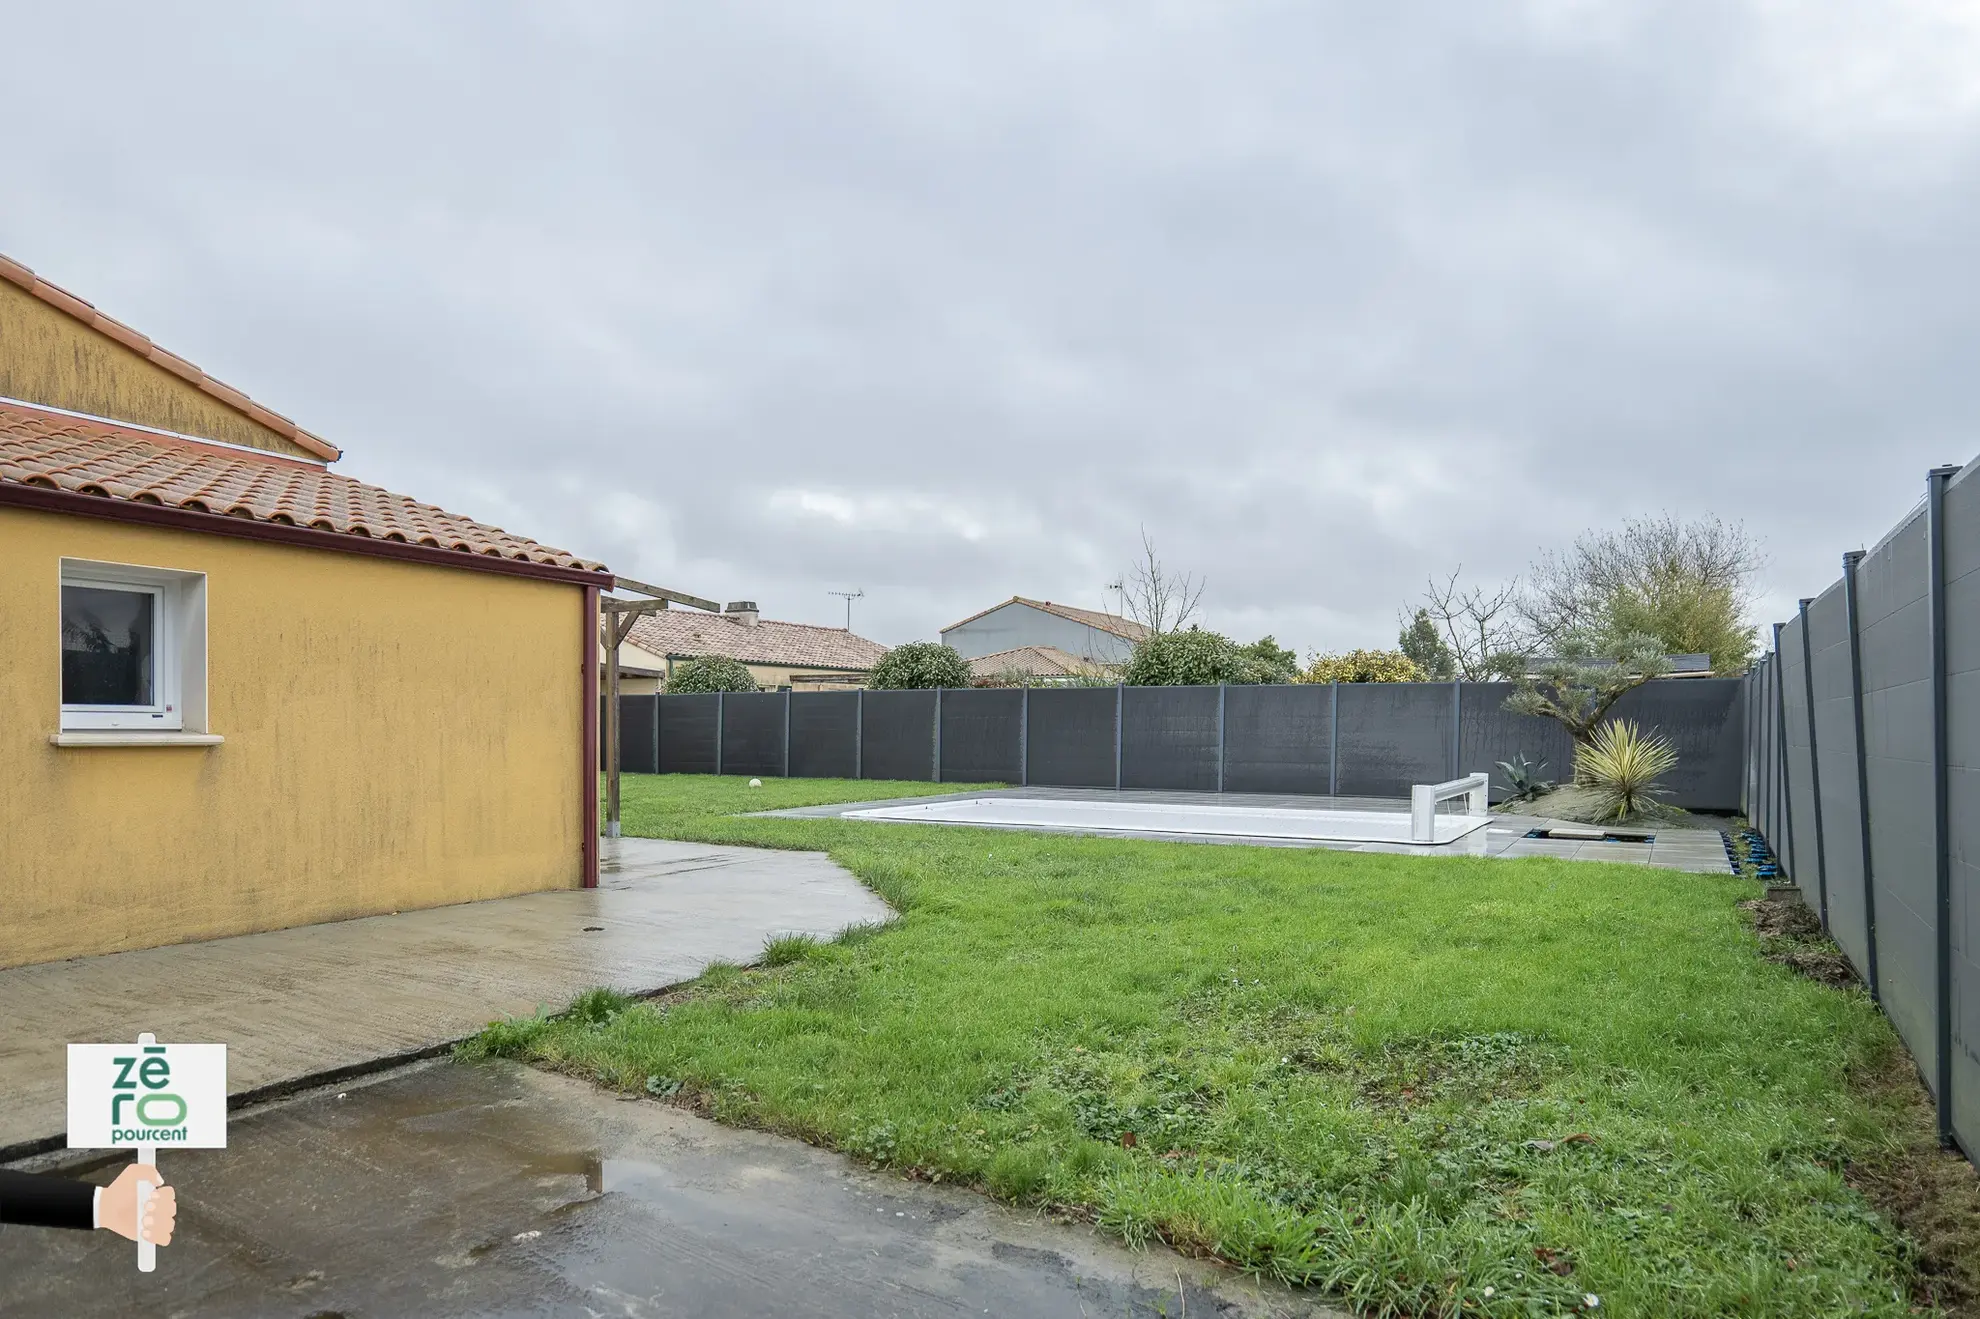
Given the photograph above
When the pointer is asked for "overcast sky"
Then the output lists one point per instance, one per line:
(944, 302)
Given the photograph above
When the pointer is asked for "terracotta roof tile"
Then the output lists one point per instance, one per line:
(684, 633)
(115, 462)
(1033, 661)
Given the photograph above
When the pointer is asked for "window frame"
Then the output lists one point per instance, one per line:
(178, 703)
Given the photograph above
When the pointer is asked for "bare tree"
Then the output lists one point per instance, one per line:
(1691, 584)
(1480, 628)
(1158, 599)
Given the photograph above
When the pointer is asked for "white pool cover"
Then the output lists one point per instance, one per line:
(1317, 826)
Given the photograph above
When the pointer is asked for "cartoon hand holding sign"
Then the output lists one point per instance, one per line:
(141, 1096)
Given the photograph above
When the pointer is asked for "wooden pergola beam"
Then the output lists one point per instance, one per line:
(662, 593)
(616, 619)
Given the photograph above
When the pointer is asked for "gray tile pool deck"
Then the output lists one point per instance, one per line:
(317, 1001)
(1681, 847)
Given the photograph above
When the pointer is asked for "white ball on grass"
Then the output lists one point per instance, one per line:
(756, 783)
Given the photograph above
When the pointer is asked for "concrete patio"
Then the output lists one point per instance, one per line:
(1681, 846)
(305, 1005)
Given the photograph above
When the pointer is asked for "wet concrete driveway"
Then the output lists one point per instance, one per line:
(494, 1189)
(319, 1000)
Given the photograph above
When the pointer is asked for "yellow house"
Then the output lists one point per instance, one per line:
(241, 691)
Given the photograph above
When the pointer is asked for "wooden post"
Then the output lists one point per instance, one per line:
(612, 637)
(588, 750)
(616, 624)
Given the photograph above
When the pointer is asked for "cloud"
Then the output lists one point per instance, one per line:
(950, 302)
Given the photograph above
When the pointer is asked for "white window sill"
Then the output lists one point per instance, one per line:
(136, 737)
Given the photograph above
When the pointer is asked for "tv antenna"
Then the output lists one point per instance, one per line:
(848, 597)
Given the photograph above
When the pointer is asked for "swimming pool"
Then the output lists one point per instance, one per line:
(1087, 816)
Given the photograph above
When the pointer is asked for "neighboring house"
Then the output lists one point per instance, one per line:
(241, 691)
(1093, 636)
(800, 656)
(1036, 665)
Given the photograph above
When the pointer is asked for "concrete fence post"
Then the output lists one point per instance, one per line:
(1768, 774)
(1788, 853)
(1024, 737)
(1854, 623)
(1457, 725)
(1334, 738)
(1935, 533)
(1220, 736)
(1120, 691)
(1814, 771)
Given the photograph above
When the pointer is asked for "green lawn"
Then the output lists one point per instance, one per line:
(1430, 1086)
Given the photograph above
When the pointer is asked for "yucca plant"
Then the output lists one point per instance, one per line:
(1620, 766)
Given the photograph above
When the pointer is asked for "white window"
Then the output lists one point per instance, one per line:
(133, 648)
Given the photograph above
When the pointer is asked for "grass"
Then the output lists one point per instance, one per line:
(1427, 1086)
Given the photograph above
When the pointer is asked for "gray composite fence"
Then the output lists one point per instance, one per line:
(1347, 739)
(1864, 778)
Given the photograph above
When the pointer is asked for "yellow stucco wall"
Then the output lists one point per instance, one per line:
(397, 736)
(50, 357)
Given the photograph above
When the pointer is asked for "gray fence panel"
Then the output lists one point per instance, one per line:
(753, 733)
(1701, 718)
(1277, 739)
(1169, 738)
(1835, 748)
(1962, 568)
(1394, 735)
(1763, 721)
(1779, 797)
(1794, 745)
(1897, 732)
(982, 735)
(825, 735)
(639, 734)
(899, 735)
(687, 734)
(639, 752)
(1489, 733)
(1071, 744)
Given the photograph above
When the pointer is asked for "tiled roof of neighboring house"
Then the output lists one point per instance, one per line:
(110, 461)
(1125, 628)
(1032, 661)
(685, 633)
(63, 300)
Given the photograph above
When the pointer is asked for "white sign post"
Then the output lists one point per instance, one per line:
(140, 1096)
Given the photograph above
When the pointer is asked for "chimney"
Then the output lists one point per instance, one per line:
(743, 611)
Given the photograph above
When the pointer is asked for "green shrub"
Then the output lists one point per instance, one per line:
(711, 673)
(1364, 666)
(1191, 658)
(919, 664)
(1275, 663)
(1621, 765)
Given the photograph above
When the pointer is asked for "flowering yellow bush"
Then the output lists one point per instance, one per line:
(1363, 666)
